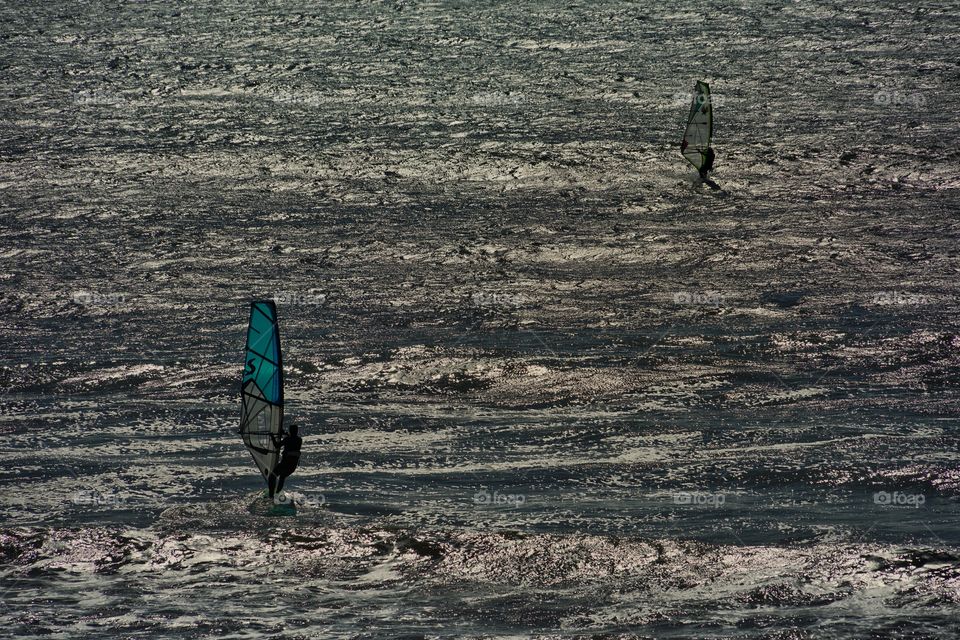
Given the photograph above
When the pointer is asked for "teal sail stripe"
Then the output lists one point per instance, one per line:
(261, 387)
(263, 351)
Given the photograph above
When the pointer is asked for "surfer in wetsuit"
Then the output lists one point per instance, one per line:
(708, 157)
(289, 459)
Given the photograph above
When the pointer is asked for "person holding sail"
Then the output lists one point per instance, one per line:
(708, 157)
(695, 145)
(289, 458)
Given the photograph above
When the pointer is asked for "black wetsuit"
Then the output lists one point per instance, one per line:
(287, 465)
(707, 165)
(708, 159)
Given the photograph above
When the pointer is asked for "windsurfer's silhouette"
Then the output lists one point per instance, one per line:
(708, 157)
(289, 459)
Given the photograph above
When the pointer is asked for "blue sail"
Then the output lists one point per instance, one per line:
(261, 388)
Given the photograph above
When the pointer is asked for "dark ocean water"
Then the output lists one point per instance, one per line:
(550, 386)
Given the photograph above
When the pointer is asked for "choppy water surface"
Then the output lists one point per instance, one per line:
(550, 386)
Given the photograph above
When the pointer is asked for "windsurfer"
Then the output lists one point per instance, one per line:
(289, 459)
(708, 157)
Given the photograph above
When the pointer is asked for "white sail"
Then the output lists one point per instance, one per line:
(696, 137)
